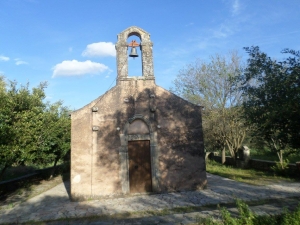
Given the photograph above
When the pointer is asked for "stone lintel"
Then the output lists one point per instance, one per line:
(138, 137)
(136, 78)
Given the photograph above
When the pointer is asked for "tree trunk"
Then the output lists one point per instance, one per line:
(54, 167)
(280, 156)
(223, 156)
(235, 155)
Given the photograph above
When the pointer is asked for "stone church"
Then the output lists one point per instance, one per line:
(137, 137)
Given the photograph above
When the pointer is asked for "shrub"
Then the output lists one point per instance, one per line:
(281, 168)
(246, 217)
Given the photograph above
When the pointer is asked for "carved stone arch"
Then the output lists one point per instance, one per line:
(142, 34)
(123, 152)
(146, 50)
(136, 118)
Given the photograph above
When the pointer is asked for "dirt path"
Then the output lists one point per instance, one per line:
(32, 189)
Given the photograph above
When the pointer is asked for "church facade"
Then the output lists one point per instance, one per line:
(137, 137)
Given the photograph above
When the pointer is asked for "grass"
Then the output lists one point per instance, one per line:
(266, 154)
(292, 158)
(248, 176)
(247, 217)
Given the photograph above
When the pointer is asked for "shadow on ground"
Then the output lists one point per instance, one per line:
(55, 204)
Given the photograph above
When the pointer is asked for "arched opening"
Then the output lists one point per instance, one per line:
(138, 140)
(134, 64)
(137, 67)
(140, 178)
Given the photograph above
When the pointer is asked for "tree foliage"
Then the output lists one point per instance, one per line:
(214, 85)
(31, 131)
(272, 98)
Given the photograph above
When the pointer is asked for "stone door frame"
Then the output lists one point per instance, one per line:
(123, 153)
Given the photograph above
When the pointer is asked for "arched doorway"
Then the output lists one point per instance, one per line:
(138, 157)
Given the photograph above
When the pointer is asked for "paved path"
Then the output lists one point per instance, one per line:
(55, 204)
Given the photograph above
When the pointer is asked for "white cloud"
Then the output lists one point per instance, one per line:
(48, 97)
(189, 24)
(100, 49)
(224, 30)
(4, 58)
(235, 7)
(20, 62)
(76, 68)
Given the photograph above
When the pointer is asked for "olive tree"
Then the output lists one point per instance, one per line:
(272, 99)
(214, 86)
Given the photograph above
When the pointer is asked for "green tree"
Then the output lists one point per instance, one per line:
(272, 92)
(31, 131)
(214, 86)
(19, 112)
(57, 135)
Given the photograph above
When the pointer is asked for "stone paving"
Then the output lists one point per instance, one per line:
(55, 204)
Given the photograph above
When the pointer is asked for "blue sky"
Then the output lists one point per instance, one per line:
(70, 44)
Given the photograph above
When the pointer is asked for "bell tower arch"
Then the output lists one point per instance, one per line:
(146, 53)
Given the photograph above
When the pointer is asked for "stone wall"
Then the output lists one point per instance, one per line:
(182, 164)
(99, 160)
(136, 109)
(266, 165)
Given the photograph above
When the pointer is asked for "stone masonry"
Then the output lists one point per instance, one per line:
(136, 109)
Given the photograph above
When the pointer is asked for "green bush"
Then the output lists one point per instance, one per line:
(281, 168)
(291, 217)
(246, 217)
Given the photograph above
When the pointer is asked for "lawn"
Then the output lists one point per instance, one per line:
(266, 154)
(249, 176)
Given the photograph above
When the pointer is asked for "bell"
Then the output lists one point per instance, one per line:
(133, 53)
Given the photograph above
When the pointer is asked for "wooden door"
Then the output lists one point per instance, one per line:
(139, 166)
